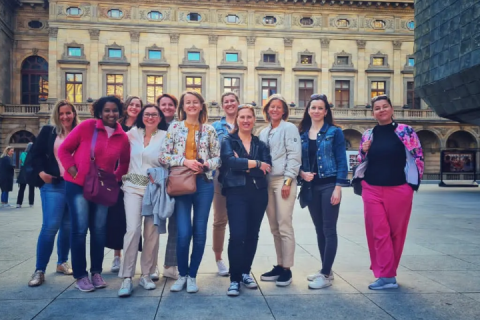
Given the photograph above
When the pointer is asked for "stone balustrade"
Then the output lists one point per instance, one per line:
(216, 111)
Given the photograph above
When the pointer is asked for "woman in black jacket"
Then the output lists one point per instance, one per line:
(245, 162)
(6, 174)
(48, 169)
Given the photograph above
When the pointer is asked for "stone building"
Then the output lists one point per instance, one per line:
(349, 50)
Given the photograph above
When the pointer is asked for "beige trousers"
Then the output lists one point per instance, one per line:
(133, 210)
(220, 218)
(280, 216)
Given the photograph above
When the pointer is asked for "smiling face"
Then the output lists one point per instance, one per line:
(317, 110)
(230, 105)
(192, 106)
(275, 110)
(245, 120)
(66, 116)
(110, 114)
(168, 108)
(151, 118)
(382, 112)
(134, 108)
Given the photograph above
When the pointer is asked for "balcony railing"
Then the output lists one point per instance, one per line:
(216, 112)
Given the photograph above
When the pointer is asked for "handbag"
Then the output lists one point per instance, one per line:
(100, 187)
(356, 181)
(182, 180)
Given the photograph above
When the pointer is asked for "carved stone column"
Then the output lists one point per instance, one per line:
(175, 79)
(325, 64)
(53, 85)
(250, 92)
(289, 83)
(362, 91)
(213, 79)
(397, 89)
(134, 64)
(93, 73)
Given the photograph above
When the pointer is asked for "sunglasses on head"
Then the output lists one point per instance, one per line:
(317, 96)
(380, 97)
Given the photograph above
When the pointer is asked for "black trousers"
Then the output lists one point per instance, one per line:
(245, 208)
(21, 193)
(325, 217)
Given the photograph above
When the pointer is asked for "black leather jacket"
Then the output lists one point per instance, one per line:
(233, 170)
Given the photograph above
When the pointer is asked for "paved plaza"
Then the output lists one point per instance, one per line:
(439, 275)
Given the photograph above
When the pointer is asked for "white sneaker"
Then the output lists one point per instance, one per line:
(19, 206)
(171, 272)
(222, 268)
(179, 284)
(115, 264)
(320, 282)
(192, 285)
(126, 288)
(156, 275)
(147, 283)
(318, 274)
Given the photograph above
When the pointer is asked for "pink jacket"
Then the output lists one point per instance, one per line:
(75, 150)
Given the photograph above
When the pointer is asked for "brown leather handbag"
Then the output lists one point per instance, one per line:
(182, 180)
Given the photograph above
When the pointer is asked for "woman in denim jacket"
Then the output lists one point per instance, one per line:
(323, 173)
(392, 165)
(181, 149)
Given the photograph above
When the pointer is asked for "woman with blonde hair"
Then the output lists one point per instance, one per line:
(116, 220)
(56, 216)
(6, 174)
(283, 139)
(192, 143)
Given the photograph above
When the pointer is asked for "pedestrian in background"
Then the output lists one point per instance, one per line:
(7, 171)
(22, 180)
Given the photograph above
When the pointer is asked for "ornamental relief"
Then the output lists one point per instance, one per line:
(85, 11)
(204, 16)
(166, 14)
(242, 17)
(126, 12)
(260, 19)
(317, 21)
(379, 23)
(344, 22)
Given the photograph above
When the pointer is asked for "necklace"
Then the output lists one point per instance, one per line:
(153, 133)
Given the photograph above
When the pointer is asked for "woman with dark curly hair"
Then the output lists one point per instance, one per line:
(111, 145)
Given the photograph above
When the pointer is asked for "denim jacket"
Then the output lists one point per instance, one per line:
(331, 154)
(222, 128)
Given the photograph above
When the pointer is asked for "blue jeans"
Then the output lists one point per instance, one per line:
(4, 196)
(56, 218)
(86, 215)
(201, 201)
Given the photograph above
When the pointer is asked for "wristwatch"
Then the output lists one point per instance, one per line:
(288, 182)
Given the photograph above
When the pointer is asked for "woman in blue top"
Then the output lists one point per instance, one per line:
(22, 180)
(323, 173)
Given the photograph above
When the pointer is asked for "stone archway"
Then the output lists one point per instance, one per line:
(431, 150)
(19, 141)
(352, 139)
(462, 140)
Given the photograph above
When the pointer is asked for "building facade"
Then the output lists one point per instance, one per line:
(349, 50)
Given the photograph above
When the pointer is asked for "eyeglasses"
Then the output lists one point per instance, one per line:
(317, 96)
(151, 115)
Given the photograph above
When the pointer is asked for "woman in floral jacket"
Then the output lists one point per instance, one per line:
(192, 143)
(392, 165)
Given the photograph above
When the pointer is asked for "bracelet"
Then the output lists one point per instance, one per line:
(75, 176)
(259, 164)
(288, 182)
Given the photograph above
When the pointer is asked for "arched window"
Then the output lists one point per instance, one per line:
(34, 80)
(19, 141)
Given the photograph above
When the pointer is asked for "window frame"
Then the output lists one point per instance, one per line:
(261, 77)
(162, 62)
(351, 79)
(239, 76)
(123, 72)
(407, 69)
(156, 11)
(75, 83)
(122, 14)
(406, 94)
(63, 82)
(201, 63)
(264, 20)
(107, 60)
(370, 80)
(232, 15)
(349, 67)
(146, 73)
(262, 65)
(306, 25)
(383, 68)
(199, 15)
(80, 11)
(68, 59)
(201, 75)
(314, 79)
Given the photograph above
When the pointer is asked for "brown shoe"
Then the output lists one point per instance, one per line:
(38, 278)
(64, 268)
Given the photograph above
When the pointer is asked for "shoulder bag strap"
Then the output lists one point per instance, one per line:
(92, 145)
(198, 139)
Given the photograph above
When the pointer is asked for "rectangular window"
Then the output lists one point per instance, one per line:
(269, 87)
(378, 88)
(269, 58)
(115, 84)
(306, 59)
(154, 54)
(74, 87)
(378, 61)
(411, 62)
(231, 84)
(193, 56)
(305, 90)
(114, 53)
(342, 61)
(412, 101)
(342, 93)
(194, 84)
(193, 16)
(74, 52)
(154, 88)
(231, 57)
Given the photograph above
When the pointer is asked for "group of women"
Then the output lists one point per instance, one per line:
(243, 175)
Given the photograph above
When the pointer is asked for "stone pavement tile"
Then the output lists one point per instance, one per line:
(104, 309)
(209, 285)
(338, 306)
(469, 258)
(21, 309)
(458, 247)
(6, 265)
(416, 249)
(437, 263)
(114, 284)
(409, 281)
(460, 281)
(427, 306)
(195, 306)
(474, 296)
